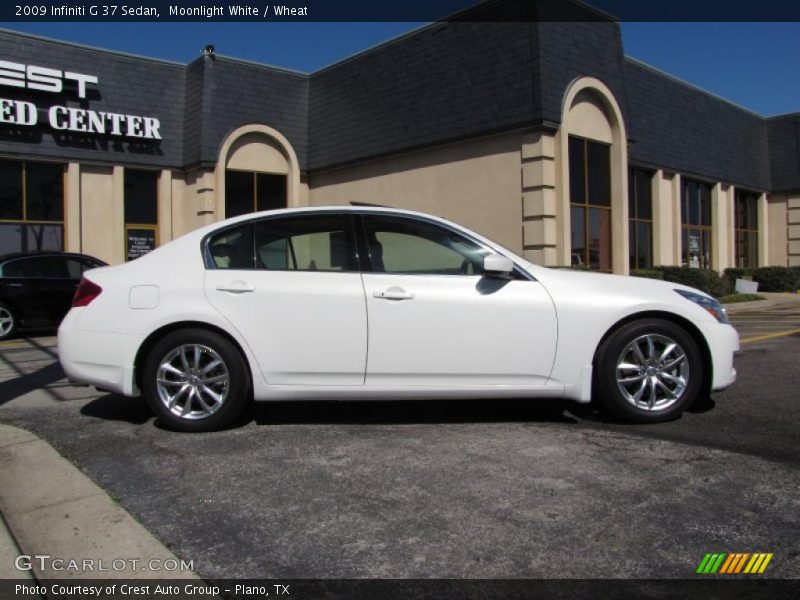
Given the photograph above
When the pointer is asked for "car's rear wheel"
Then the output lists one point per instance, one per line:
(195, 380)
(648, 371)
(8, 322)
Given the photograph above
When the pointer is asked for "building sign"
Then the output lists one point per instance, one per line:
(66, 118)
(139, 241)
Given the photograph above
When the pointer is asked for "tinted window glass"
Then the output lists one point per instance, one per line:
(577, 170)
(76, 266)
(644, 201)
(19, 237)
(270, 191)
(408, 246)
(10, 237)
(239, 193)
(43, 237)
(35, 267)
(312, 243)
(10, 189)
(599, 170)
(44, 190)
(141, 197)
(233, 249)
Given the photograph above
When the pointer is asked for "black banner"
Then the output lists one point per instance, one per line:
(407, 10)
(708, 588)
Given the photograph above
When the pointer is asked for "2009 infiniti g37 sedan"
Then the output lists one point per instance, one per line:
(373, 303)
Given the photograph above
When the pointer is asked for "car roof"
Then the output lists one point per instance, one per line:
(15, 255)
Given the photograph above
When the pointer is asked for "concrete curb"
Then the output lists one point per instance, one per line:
(772, 300)
(53, 509)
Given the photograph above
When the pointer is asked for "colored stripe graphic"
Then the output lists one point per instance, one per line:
(741, 562)
(733, 563)
(703, 564)
(726, 565)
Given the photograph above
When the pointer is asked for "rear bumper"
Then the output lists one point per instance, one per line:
(104, 360)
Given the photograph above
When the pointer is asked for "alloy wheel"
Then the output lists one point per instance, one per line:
(652, 372)
(192, 381)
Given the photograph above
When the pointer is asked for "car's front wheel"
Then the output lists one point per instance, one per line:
(648, 371)
(195, 380)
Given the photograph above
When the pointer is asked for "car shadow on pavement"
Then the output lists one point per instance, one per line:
(591, 412)
(402, 412)
(113, 407)
(26, 381)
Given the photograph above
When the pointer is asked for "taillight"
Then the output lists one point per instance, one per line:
(86, 292)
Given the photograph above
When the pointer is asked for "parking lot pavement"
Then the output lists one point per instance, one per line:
(442, 489)
(776, 319)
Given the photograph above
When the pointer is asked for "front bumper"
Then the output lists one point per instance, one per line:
(723, 342)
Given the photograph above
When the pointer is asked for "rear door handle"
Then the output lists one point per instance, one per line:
(393, 293)
(236, 287)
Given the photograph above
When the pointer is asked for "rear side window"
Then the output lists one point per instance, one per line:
(305, 243)
(233, 248)
(36, 267)
(76, 266)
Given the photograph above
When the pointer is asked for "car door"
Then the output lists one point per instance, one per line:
(435, 319)
(21, 286)
(291, 287)
(55, 288)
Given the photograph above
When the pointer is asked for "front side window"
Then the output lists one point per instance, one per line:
(696, 224)
(590, 203)
(640, 218)
(746, 229)
(414, 247)
(31, 206)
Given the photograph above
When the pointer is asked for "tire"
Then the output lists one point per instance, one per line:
(626, 380)
(196, 380)
(8, 322)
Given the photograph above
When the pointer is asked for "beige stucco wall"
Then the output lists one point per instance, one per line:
(778, 242)
(102, 212)
(257, 152)
(475, 183)
(793, 229)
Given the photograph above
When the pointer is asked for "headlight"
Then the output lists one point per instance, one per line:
(714, 308)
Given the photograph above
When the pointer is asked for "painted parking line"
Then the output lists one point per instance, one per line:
(769, 336)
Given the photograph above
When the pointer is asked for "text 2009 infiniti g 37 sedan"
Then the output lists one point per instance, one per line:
(372, 303)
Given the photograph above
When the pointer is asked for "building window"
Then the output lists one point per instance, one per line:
(590, 203)
(746, 229)
(246, 192)
(640, 218)
(696, 224)
(141, 212)
(31, 206)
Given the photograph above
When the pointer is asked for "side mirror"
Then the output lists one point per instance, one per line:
(497, 264)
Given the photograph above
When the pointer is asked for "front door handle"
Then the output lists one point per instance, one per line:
(393, 293)
(236, 287)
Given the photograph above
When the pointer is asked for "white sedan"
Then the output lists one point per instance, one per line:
(370, 303)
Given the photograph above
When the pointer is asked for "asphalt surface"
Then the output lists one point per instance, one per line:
(463, 489)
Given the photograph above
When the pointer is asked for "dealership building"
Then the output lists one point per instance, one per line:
(534, 129)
